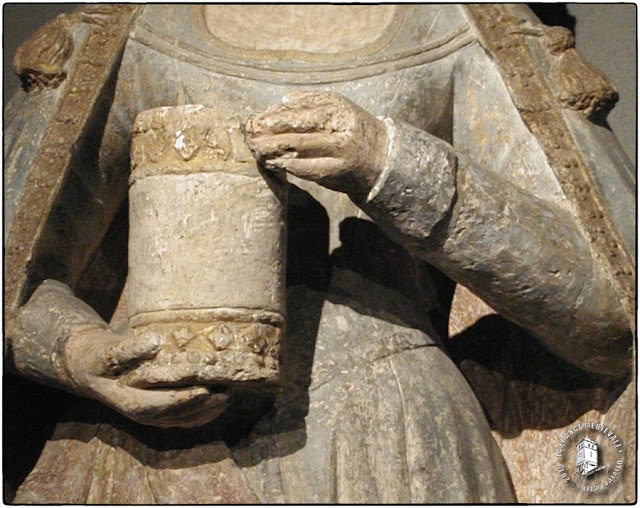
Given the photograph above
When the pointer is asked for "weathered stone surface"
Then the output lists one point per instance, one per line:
(346, 428)
(518, 209)
(213, 349)
(206, 251)
(534, 100)
(466, 310)
(61, 168)
(42, 329)
(262, 27)
(531, 397)
(49, 482)
(105, 464)
(40, 61)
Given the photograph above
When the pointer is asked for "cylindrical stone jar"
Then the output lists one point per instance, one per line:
(206, 251)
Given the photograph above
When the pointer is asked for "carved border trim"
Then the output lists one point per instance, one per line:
(542, 115)
(241, 315)
(96, 59)
(308, 74)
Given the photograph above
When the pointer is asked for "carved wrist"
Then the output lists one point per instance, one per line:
(378, 147)
(416, 188)
(42, 329)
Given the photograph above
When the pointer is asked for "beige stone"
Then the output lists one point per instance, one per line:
(206, 250)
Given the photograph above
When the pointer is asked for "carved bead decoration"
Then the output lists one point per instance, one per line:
(211, 353)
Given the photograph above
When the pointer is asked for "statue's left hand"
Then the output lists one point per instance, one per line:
(96, 359)
(323, 137)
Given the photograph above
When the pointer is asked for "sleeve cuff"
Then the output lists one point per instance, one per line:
(44, 325)
(417, 186)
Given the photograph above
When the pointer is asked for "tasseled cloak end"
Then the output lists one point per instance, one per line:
(575, 83)
(40, 60)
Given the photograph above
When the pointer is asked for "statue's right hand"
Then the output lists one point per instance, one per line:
(323, 137)
(96, 359)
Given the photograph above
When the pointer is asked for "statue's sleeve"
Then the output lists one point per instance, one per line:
(65, 188)
(524, 256)
(42, 328)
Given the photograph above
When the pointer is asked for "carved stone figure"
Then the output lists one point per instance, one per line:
(410, 146)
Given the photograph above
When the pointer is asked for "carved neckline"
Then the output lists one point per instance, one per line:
(386, 35)
(302, 73)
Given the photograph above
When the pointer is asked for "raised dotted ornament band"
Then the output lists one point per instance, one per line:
(206, 251)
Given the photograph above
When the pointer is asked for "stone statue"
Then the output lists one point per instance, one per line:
(410, 146)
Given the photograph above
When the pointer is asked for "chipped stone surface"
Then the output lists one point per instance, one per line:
(50, 167)
(210, 352)
(206, 250)
(371, 408)
(355, 422)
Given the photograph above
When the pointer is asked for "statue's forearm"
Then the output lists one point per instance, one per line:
(524, 256)
(41, 329)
